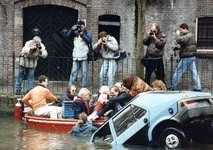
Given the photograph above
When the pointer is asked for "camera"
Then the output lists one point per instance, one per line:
(104, 40)
(38, 46)
(176, 48)
(152, 32)
(78, 28)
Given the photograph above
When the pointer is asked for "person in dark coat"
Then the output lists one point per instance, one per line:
(117, 97)
(84, 127)
(156, 41)
(81, 104)
(69, 96)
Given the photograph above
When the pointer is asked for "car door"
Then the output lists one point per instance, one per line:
(128, 123)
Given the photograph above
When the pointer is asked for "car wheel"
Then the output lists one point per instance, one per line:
(172, 138)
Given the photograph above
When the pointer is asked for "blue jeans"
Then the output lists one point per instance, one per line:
(20, 77)
(182, 66)
(109, 66)
(76, 65)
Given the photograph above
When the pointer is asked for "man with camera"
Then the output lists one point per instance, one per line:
(188, 52)
(28, 58)
(81, 39)
(109, 46)
(156, 41)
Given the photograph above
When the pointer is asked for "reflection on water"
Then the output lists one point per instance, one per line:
(16, 135)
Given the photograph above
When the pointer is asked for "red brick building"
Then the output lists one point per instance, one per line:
(20, 20)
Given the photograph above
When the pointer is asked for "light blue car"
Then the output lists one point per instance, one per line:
(167, 119)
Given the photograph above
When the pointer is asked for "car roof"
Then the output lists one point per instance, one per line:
(155, 98)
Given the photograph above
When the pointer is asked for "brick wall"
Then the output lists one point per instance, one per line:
(167, 14)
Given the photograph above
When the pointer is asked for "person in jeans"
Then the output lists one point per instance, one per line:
(81, 38)
(188, 51)
(109, 46)
(156, 41)
(28, 58)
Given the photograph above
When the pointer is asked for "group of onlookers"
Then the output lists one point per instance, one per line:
(111, 98)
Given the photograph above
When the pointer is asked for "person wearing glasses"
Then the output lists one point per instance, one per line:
(69, 96)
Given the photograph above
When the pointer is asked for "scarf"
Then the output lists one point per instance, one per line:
(85, 103)
(42, 85)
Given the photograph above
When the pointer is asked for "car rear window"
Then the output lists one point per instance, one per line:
(127, 118)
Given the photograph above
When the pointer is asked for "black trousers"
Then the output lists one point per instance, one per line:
(157, 66)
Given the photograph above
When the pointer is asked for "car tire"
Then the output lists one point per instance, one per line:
(172, 138)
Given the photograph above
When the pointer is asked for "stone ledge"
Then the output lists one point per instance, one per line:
(204, 54)
(7, 103)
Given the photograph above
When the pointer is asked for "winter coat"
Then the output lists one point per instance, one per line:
(188, 45)
(81, 42)
(122, 99)
(65, 97)
(78, 108)
(93, 101)
(85, 130)
(108, 51)
(138, 86)
(156, 46)
(27, 58)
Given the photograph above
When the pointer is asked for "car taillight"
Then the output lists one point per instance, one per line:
(187, 102)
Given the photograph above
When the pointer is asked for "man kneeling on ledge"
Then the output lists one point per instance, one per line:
(38, 95)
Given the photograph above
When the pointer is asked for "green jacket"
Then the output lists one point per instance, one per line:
(188, 45)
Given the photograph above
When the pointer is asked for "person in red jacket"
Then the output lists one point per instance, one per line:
(38, 95)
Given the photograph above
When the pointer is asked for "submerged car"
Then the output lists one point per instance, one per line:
(168, 119)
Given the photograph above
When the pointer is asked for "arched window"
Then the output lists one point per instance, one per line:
(111, 25)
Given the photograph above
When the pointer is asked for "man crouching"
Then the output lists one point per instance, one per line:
(38, 95)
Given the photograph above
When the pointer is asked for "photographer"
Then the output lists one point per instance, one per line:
(81, 38)
(28, 58)
(109, 46)
(188, 51)
(155, 40)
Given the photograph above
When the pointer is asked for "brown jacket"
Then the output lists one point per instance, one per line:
(155, 46)
(138, 86)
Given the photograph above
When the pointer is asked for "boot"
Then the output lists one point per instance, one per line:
(18, 92)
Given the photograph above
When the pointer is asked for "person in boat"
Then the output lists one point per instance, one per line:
(38, 95)
(118, 96)
(158, 85)
(83, 127)
(81, 104)
(69, 96)
(103, 102)
(95, 98)
(134, 85)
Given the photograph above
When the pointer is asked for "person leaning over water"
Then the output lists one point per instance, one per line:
(83, 127)
(135, 85)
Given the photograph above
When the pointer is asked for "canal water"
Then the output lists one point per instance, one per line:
(16, 135)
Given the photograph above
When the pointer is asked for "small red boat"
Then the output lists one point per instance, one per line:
(56, 124)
